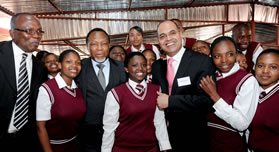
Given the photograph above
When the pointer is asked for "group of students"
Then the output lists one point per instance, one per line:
(159, 104)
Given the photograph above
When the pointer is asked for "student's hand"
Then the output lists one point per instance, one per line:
(162, 100)
(208, 85)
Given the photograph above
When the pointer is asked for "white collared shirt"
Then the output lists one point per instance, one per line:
(240, 114)
(111, 116)
(43, 101)
(106, 69)
(177, 59)
(268, 89)
(18, 53)
(154, 48)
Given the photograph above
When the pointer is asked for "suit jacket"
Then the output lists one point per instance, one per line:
(188, 103)
(88, 78)
(8, 89)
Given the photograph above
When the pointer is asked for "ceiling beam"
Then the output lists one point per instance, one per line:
(75, 47)
(55, 6)
(5, 10)
(129, 4)
(188, 4)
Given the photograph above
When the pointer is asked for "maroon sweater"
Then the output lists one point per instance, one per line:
(223, 137)
(146, 46)
(264, 129)
(66, 112)
(253, 46)
(136, 131)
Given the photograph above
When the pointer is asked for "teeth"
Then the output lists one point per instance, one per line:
(169, 44)
(73, 70)
(139, 74)
(53, 66)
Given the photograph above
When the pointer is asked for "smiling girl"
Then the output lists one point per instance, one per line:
(235, 98)
(132, 121)
(60, 107)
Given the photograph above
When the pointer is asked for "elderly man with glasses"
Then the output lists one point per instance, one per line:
(21, 75)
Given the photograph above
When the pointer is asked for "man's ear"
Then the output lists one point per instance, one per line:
(12, 34)
(126, 69)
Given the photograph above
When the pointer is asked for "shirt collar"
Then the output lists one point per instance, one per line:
(133, 84)
(270, 88)
(106, 62)
(178, 55)
(135, 50)
(18, 51)
(61, 83)
(234, 69)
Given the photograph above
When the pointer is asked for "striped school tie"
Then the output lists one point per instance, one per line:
(140, 88)
(21, 106)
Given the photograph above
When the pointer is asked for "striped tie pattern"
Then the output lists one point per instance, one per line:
(140, 88)
(21, 107)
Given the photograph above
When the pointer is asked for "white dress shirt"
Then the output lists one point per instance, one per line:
(111, 116)
(106, 69)
(240, 114)
(43, 111)
(177, 59)
(18, 53)
(154, 48)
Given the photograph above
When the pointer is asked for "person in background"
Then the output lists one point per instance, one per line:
(99, 75)
(264, 129)
(241, 33)
(241, 59)
(187, 42)
(41, 55)
(117, 52)
(51, 63)
(60, 107)
(150, 58)
(132, 120)
(21, 75)
(235, 98)
(136, 40)
(185, 103)
(202, 47)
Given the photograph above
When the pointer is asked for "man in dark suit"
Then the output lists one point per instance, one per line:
(98, 76)
(185, 103)
(18, 96)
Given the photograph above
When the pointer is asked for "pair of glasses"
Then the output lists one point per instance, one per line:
(31, 31)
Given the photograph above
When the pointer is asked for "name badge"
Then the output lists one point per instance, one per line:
(183, 81)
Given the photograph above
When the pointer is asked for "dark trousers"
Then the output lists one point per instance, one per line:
(91, 138)
(22, 140)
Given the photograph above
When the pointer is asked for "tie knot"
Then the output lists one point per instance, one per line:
(100, 66)
(139, 87)
(170, 60)
(24, 55)
(263, 94)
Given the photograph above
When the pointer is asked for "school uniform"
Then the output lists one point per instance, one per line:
(149, 79)
(143, 47)
(132, 121)
(264, 129)
(62, 108)
(251, 54)
(234, 111)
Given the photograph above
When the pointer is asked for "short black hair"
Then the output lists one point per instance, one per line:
(267, 51)
(221, 39)
(120, 46)
(239, 25)
(40, 55)
(50, 54)
(146, 50)
(96, 30)
(130, 56)
(13, 19)
(66, 52)
(137, 28)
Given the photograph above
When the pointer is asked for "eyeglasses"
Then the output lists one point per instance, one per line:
(31, 31)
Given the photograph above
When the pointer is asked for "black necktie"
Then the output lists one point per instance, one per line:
(21, 106)
(101, 75)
